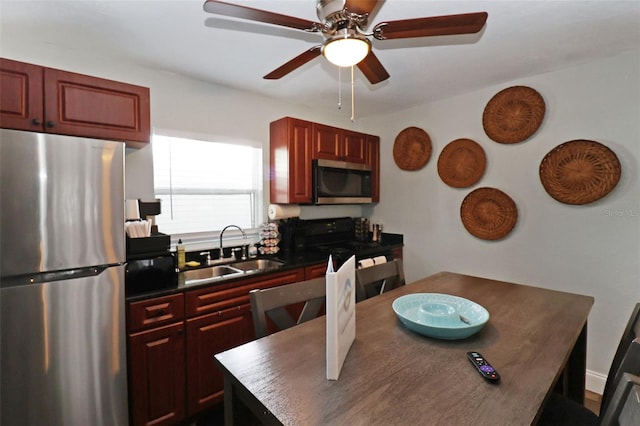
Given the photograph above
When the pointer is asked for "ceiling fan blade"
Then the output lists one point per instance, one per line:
(372, 68)
(467, 23)
(361, 7)
(296, 62)
(244, 12)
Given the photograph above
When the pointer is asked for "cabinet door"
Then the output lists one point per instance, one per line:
(332, 143)
(21, 100)
(157, 375)
(373, 161)
(291, 146)
(81, 105)
(208, 335)
(354, 147)
(327, 142)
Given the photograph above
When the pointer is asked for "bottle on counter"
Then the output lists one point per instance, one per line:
(181, 254)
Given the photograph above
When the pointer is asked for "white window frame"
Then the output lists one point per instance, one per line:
(208, 239)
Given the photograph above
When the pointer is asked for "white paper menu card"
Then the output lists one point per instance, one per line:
(341, 315)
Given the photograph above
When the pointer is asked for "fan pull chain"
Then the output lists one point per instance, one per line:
(339, 88)
(353, 97)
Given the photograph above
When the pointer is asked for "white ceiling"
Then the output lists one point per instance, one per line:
(521, 38)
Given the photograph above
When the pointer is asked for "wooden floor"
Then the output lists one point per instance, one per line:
(592, 401)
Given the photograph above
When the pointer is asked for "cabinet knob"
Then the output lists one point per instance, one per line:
(50, 123)
(36, 122)
(160, 312)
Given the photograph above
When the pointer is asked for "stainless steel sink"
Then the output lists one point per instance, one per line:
(217, 272)
(213, 272)
(257, 265)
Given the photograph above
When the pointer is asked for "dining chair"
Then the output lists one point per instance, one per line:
(560, 410)
(377, 279)
(624, 407)
(631, 332)
(278, 304)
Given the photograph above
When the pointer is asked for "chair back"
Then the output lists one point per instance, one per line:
(624, 407)
(622, 363)
(377, 279)
(278, 304)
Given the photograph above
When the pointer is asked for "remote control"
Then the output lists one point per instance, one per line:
(484, 368)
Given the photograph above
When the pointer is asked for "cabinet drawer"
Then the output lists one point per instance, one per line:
(156, 312)
(316, 271)
(236, 293)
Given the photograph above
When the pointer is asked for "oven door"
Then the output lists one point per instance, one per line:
(340, 182)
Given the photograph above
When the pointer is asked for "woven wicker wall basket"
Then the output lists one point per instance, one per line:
(513, 114)
(579, 172)
(412, 148)
(461, 163)
(488, 213)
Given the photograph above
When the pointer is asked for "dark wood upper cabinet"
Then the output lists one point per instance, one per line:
(326, 142)
(291, 153)
(21, 105)
(48, 100)
(295, 143)
(373, 161)
(332, 143)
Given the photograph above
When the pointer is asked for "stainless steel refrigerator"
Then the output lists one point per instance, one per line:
(62, 254)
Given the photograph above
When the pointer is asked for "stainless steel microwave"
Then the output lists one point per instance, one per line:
(341, 182)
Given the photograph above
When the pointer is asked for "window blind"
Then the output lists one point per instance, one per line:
(204, 185)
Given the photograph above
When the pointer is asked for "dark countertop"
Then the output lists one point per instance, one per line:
(291, 260)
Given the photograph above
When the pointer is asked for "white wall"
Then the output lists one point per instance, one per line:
(591, 249)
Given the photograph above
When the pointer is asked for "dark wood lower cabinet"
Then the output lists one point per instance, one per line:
(157, 375)
(206, 336)
(172, 340)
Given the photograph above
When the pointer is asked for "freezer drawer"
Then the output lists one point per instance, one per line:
(63, 353)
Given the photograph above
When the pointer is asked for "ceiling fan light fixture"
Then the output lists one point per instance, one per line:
(346, 51)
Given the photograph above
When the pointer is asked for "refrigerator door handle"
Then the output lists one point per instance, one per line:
(45, 277)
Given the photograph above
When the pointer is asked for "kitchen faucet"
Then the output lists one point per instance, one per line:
(244, 249)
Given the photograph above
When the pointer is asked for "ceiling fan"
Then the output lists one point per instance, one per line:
(343, 24)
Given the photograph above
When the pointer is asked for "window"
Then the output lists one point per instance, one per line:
(204, 186)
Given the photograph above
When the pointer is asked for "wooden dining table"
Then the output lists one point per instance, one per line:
(535, 338)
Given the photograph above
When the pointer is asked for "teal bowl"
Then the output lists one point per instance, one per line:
(441, 316)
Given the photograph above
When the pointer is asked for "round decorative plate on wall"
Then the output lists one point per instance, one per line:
(461, 163)
(513, 114)
(488, 213)
(412, 148)
(579, 171)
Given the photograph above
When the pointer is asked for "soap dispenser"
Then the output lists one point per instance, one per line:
(181, 254)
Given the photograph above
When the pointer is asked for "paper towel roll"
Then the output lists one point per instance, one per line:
(379, 260)
(283, 211)
(365, 263)
(131, 210)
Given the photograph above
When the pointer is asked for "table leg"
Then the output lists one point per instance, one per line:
(577, 368)
(228, 401)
